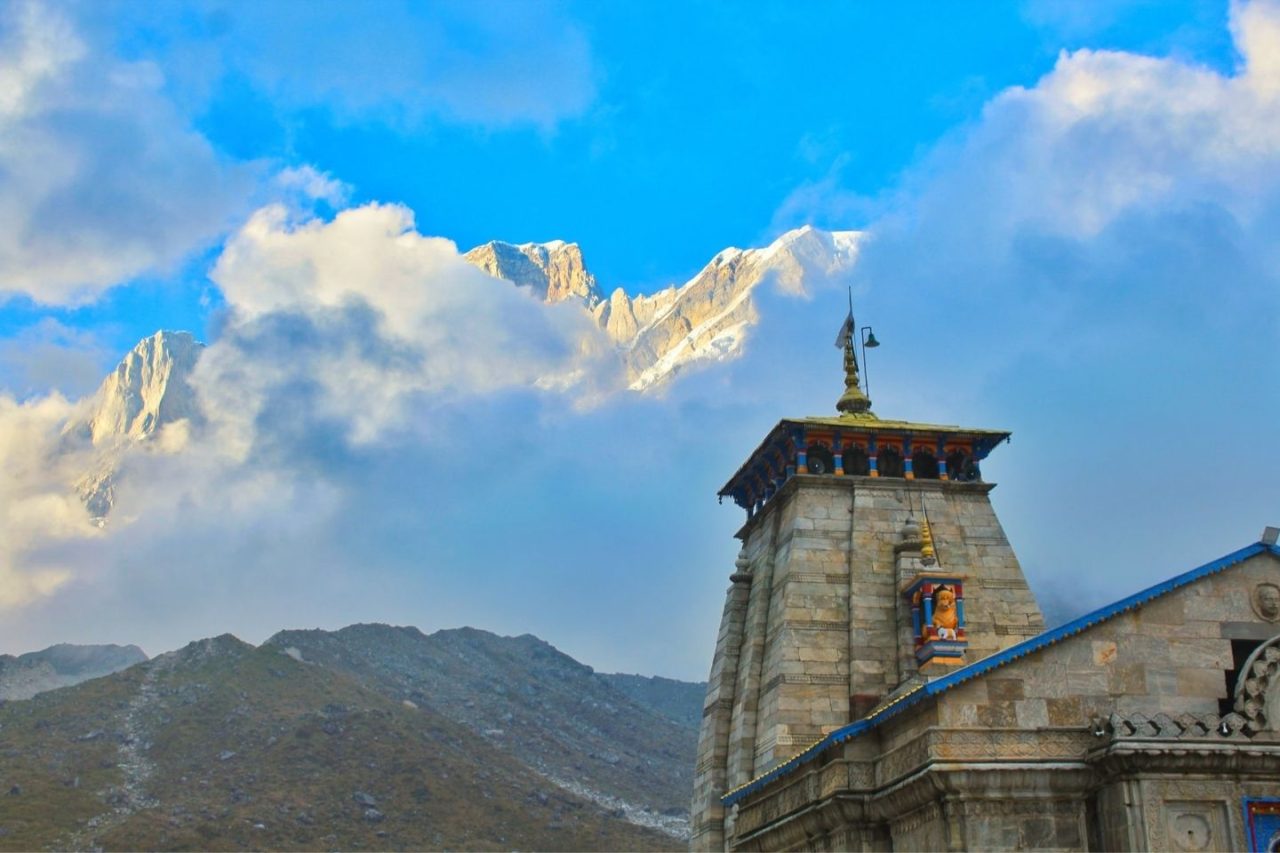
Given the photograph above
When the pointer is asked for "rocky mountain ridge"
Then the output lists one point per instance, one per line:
(63, 665)
(705, 319)
(312, 741)
(681, 701)
(554, 271)
(546, 709)
(149, 399)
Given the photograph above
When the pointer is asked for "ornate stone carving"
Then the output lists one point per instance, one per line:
(1190, 831)
(1258, 689)
(926, 814)
(1266, 601)
(899, 761)
(980, 744)
(1177, 815)
(1184, 726)
(1005, 807)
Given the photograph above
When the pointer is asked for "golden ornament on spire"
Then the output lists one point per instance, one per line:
(853, 402)
(926, 549)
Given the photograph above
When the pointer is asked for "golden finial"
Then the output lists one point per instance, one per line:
(854, 402)
(926, 549)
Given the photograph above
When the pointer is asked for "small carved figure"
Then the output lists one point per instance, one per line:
(945, 619)
(1266, 601)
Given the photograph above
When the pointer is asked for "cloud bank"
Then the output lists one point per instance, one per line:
(1098, 253)
(101, 179)
(391, 435)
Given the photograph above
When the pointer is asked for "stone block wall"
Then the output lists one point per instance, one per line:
(711, 771)
(1170, 656)
(819, 626)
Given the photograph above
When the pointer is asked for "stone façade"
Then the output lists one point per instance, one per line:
(1134, 731)
(1153, 723)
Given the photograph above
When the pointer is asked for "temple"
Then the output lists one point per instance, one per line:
(883, 679)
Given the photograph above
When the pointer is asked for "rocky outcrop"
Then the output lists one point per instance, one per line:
(554, 271)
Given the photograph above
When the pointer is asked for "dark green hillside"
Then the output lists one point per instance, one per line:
(529, 700)
(224, 746)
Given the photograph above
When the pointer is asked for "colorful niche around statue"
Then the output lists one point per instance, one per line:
(937, 617)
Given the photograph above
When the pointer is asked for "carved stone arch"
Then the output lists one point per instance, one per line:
(1258, 689)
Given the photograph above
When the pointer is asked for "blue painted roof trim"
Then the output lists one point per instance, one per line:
(973, 670)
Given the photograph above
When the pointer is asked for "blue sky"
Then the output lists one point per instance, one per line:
(1071, 203)
(662, 132)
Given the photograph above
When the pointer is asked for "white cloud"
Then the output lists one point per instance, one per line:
(100, 178)
(50, 355)
(367, 314)
(1256, 29)
(1094, 263)
(40, 506)
(1091, 265)
(1106, 134)
(313, 185)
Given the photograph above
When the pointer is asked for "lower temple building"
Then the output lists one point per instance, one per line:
(883, 679)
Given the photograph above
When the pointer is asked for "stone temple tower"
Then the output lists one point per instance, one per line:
(871, 561)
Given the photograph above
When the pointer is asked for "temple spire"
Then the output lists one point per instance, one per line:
(853, 402)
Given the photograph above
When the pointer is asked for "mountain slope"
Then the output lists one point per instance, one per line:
(680, 701)
(148, 400)
(530, 701)
(62, 665)
(224, 746)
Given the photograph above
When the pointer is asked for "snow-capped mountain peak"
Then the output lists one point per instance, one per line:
(657, 336)
(146, 391)
(709, 317)
(554, 270)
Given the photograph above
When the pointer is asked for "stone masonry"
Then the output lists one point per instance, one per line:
(812, 635)
(883, 679)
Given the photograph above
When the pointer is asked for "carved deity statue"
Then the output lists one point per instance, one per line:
(945, 618)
